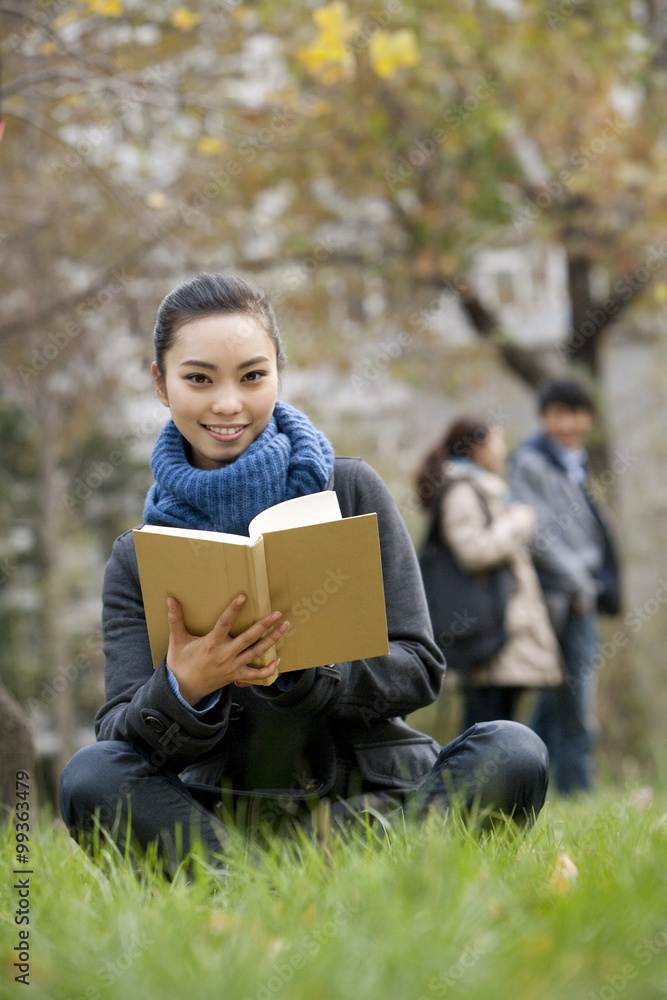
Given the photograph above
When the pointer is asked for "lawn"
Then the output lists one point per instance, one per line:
(576, 908)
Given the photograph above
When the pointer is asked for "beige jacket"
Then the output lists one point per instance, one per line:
(531, 656)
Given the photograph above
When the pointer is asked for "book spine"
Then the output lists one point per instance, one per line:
(261, 597)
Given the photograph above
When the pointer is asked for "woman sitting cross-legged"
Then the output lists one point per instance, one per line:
(178, 744)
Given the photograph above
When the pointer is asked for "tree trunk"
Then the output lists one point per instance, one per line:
(17, 753)
(55, 637)
(587, 321)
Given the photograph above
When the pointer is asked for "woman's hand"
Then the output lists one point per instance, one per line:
(525, 520)
(202, 664)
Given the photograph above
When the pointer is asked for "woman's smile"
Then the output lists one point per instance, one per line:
(226, 433)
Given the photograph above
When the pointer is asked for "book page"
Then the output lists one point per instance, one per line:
(196, 534)
(314, 508)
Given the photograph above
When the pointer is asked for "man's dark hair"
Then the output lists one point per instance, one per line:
(569, 392)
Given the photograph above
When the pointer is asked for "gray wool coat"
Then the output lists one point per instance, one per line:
(338, 732)
(573, 549)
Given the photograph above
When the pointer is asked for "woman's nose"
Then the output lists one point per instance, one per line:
(227, 401)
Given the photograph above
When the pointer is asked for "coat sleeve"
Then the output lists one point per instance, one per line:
(410, 675)
(475, 544)
(140, 706)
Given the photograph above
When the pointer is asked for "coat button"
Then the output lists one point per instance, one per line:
(152, 722)
(235, 711)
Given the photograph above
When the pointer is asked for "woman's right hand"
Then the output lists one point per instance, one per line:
(203, 664)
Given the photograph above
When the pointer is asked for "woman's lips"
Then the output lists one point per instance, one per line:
(225, 432)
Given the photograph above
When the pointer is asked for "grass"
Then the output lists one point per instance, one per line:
(576, 908)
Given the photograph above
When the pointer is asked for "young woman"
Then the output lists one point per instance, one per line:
(182, 745)
(483, 530)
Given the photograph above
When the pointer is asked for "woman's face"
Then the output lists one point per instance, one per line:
(491, 454)
(220, 384)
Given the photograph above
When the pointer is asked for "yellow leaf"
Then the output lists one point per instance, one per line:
(328, 55)
(210, 145)
(105, 8)
(316, 55)
(329, 62)
(660, 292)
(334, 23)
(390, 51)
(47, 48)
(564, 874)
(184, 19)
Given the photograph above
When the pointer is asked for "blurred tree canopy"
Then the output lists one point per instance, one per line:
(384, 141)
(153, 138)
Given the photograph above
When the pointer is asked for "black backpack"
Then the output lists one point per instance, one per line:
(467, 609)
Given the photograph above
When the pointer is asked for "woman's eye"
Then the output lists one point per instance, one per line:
(253, 376)
(198, 378)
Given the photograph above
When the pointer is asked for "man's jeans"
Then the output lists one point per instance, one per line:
(501, 766)
(564, 715)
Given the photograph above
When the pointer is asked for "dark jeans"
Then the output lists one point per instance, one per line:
(486, 703)
(564, 715)
(501, 766)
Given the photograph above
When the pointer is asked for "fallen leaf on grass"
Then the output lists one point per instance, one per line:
(221, 921)
(565, 873)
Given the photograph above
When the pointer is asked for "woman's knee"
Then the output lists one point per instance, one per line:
(523, 759)
(506, 766)
(93, 778)
(521, 748)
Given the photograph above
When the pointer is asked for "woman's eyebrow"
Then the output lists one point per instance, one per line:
(253, 361)
(193, 363)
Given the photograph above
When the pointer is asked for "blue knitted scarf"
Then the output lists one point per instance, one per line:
(290, 458)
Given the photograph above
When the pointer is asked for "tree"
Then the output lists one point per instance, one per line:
(485, 128)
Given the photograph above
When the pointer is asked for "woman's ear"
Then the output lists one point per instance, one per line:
(160, 387)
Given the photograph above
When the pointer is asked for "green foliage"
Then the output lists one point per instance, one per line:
(575, 908)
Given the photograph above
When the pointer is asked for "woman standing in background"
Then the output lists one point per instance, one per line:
(461, 482)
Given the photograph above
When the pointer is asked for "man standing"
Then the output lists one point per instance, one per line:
(578, 570)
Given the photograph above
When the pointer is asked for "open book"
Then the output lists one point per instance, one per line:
(322, 571)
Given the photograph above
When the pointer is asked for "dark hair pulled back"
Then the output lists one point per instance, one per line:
(210, 294)
(461, 439)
